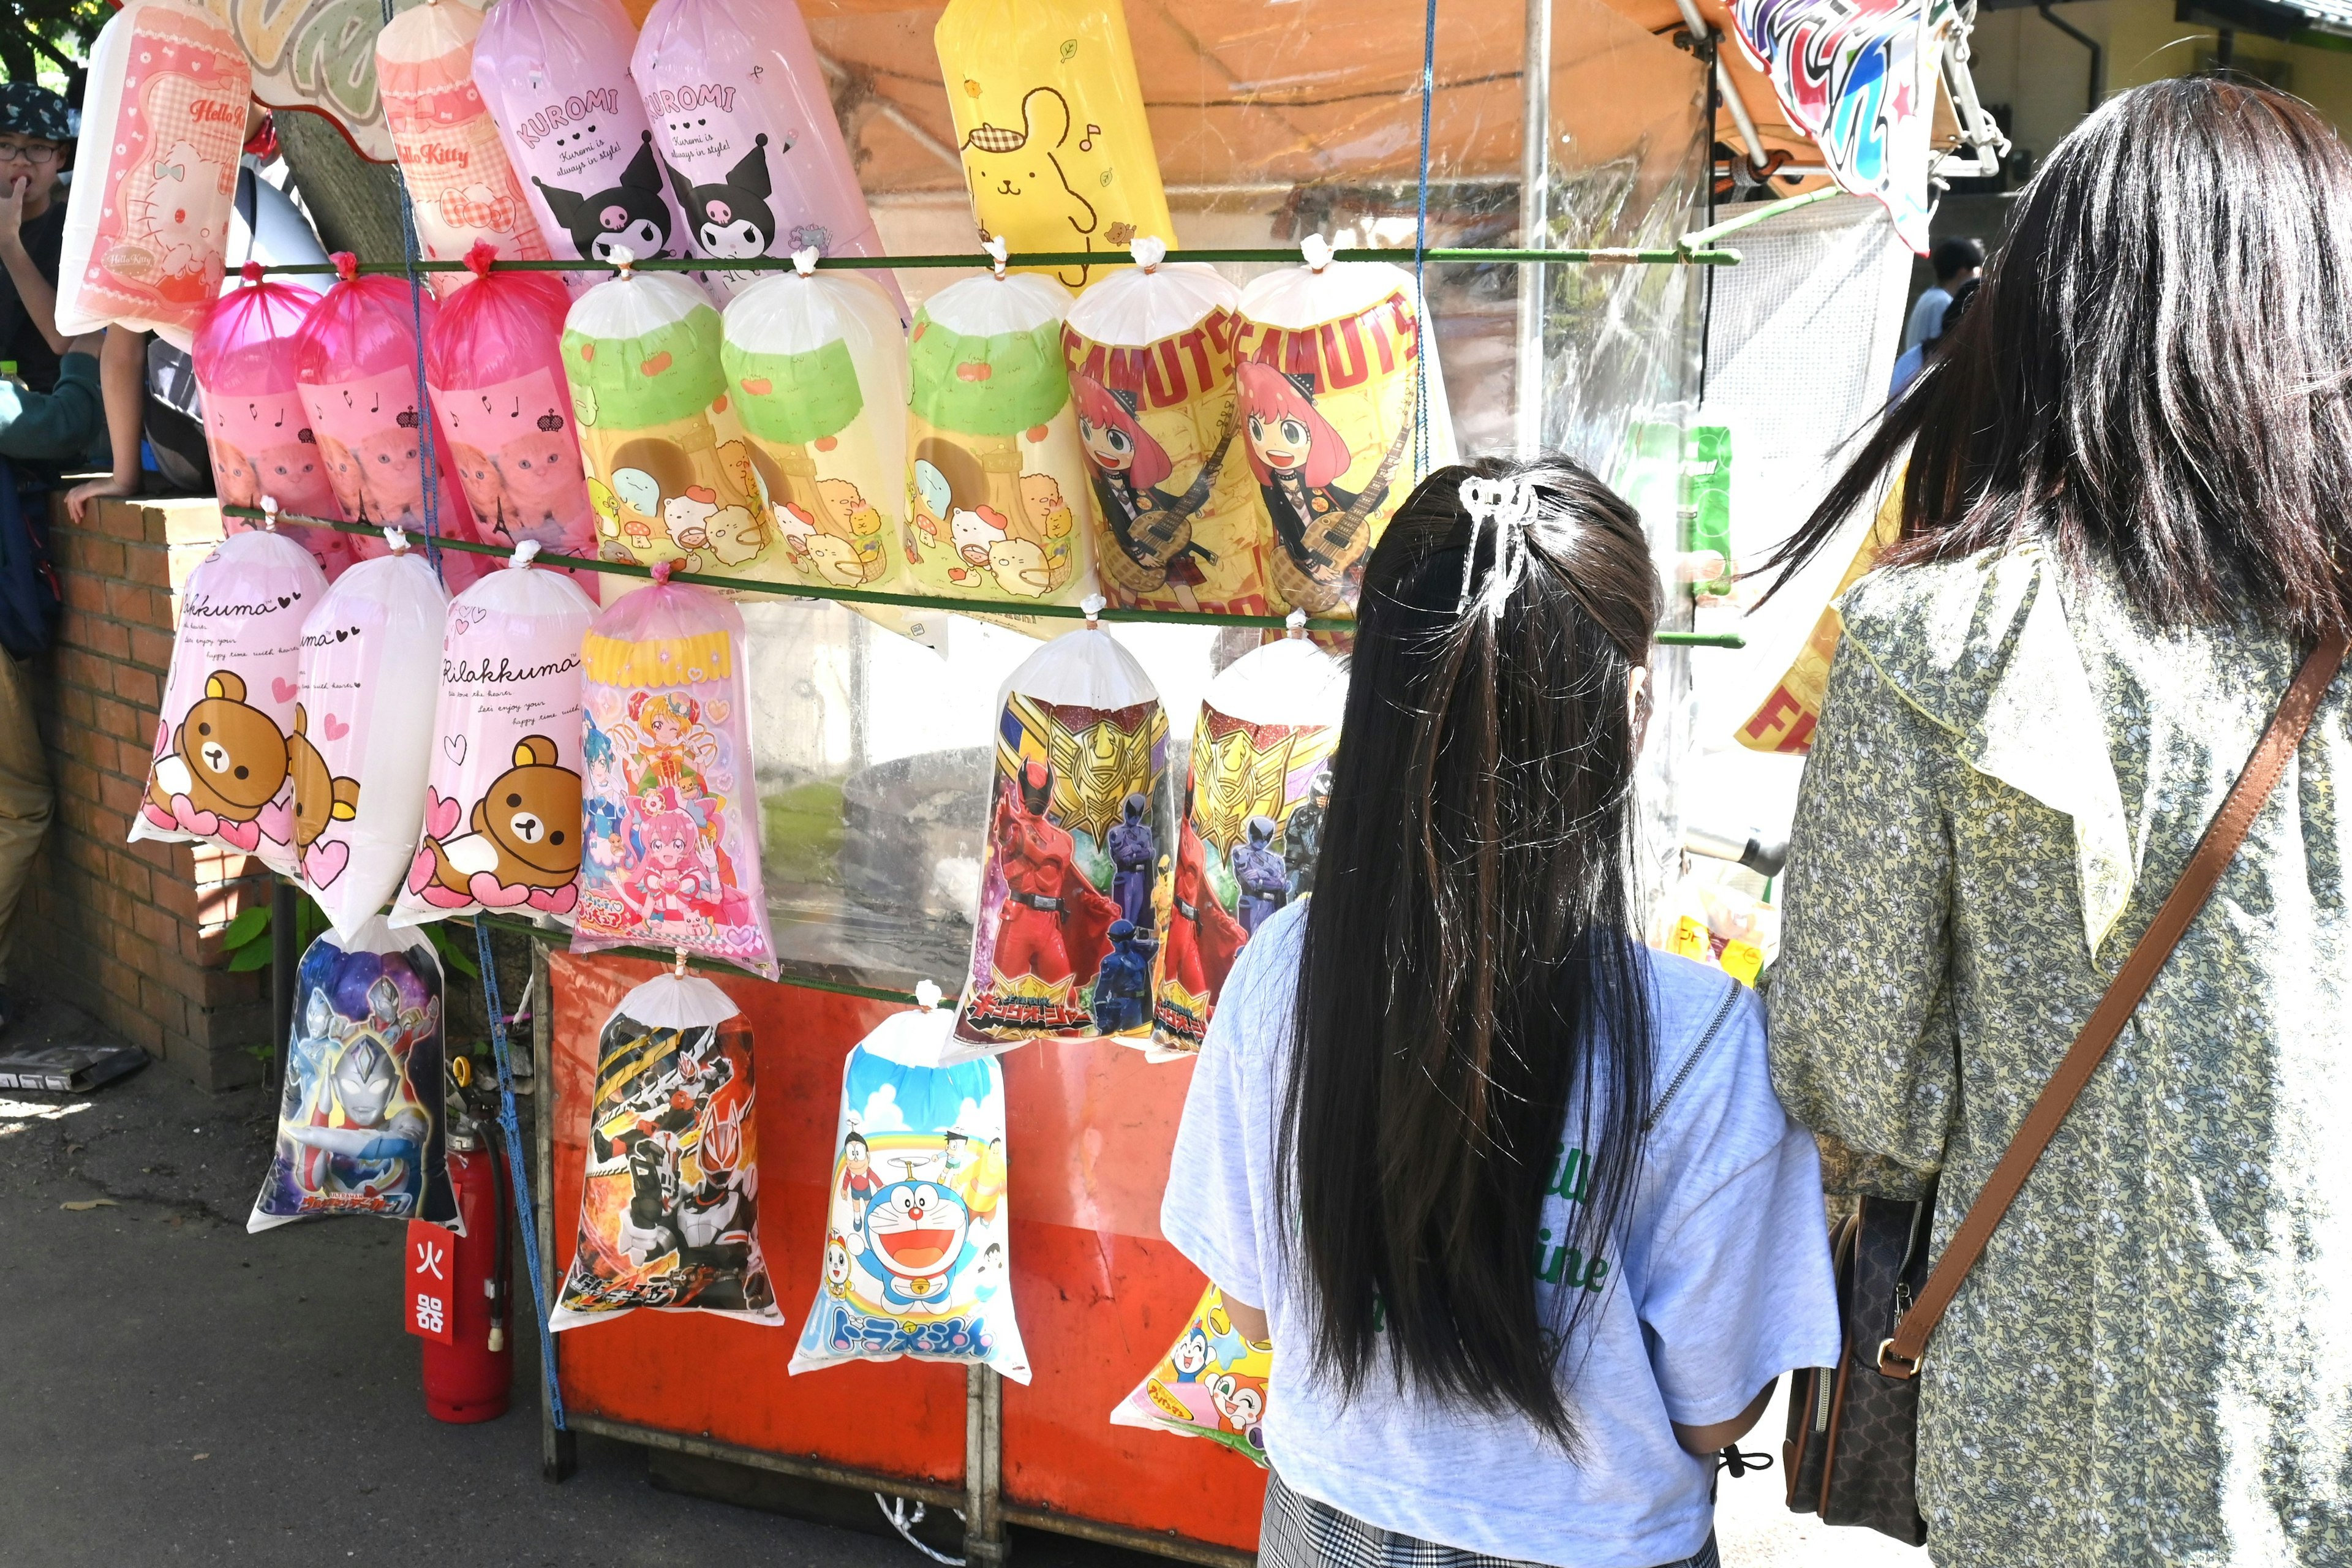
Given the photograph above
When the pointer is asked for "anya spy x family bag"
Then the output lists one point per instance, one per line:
(1853, 1430)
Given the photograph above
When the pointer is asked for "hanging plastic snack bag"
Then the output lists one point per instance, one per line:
(555, 74)
(219, 774)
(669, 1210)
(256, 428)
(1151, 356)
(147, 215)
(494, 362)
(1328, 360)
(670, 474)
(502, 819)
(918, 1226)
(816, 363)
(1212, 1384)
(1049, 87)
(742, 116)
(671, 814)
(461, 187)
(997, 489)
(358, 1128)
(1066, 929)
(357, 361)
(1250, 823)
(362, 733)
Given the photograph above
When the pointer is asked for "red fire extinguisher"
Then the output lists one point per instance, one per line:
(468, 1376)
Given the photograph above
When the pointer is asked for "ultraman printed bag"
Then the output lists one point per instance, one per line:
(221, 773)
(1066, 925)
(669, 1205)
(1212, 1384)
(502, 819)
(917, 1224)
(359, 1127)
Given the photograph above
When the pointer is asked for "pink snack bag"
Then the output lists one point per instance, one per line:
(672, 851)
(743, 120)
(221, 773)
(255, 424)
(463, 189)
(146, 227)
(502, 825)
(494, 362)
(355, 361)
(555, 74)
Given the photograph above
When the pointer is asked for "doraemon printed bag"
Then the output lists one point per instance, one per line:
(917, 1227)
(1212, 1384)
(669, 1205)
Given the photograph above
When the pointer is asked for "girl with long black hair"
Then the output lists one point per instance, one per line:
(1508, 1192)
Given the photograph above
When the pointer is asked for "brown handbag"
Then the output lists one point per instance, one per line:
(1851, 1451)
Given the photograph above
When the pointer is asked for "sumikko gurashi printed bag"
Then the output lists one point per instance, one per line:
(1065, 930)
(1212, 1384)
(669, 1214)
(917, 1225)
(669, 808)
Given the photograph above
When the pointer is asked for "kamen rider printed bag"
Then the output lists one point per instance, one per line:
(669, 1209)
(1051, 85)
(463, 190)
(147, 215)
(997, 502)
(1150, 354)
(1211, 1384)
(502, 821)
(255, 424)
(742, 116)
(364, 733)
(555, 74)
(669, 473)
(671, 814)
(1250, 822)
(356, 363)
(220, 774)
(1064, 936)
(359, 1129)
(494, 362)
(1327, 359)
(917, 1227)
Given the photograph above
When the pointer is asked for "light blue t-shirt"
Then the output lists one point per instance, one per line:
(1926, 318)
(1719, 1283)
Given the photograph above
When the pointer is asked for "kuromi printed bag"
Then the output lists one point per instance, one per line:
(917, 1225)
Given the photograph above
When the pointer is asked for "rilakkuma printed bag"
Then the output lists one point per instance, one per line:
(1249, 825)
(221, 769)
(255, 428)
(502, 819)
(555, 74)
(917, 1225)
(362, 735)
(494, 362)
(461, 188)
(1066, 925)
(1212, 1384)
(670, 811)
(669, 1208)
(147, 215)
(359, 1125)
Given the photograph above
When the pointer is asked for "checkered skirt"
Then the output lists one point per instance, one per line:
(1300, 1533)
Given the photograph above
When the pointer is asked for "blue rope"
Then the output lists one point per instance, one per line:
(428, 472)
(525, 1219)
(1421, 254)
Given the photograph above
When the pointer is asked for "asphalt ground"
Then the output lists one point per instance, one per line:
(173, 1390)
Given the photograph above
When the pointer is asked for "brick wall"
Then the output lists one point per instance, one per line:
(130, 932)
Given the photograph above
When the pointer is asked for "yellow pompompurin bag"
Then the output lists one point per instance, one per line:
(1049, 119)
(1784, 720)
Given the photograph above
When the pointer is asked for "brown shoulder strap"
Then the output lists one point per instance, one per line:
(1899, 1357)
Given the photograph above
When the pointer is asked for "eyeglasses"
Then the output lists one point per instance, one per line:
(38, 154)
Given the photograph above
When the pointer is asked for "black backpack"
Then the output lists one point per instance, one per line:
(30, 602)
